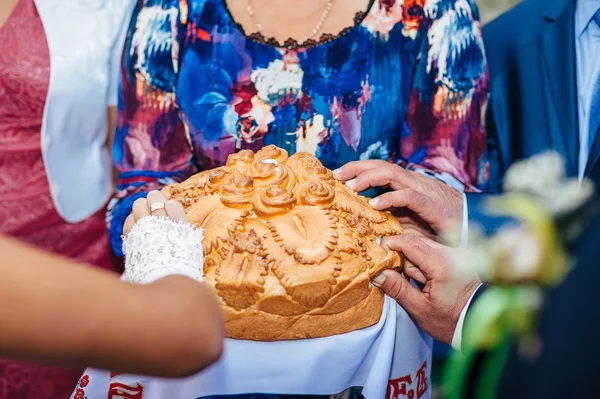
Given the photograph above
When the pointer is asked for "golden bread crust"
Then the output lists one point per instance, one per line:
(289, 251)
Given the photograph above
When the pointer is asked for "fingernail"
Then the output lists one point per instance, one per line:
(373, 202)
(337, 172)
(384, 243)
(350, 183)
(378, 280)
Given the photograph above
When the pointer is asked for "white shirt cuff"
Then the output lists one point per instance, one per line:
(457, 337)
(464, 235)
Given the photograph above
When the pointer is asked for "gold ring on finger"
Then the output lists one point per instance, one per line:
(156, 206)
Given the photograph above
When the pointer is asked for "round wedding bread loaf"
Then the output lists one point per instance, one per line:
(289, 251)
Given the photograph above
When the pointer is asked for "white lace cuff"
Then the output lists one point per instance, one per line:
(157, 247)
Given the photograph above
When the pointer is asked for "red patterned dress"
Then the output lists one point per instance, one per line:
(26, 208)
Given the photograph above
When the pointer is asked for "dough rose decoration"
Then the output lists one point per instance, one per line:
(301, 160)
(315, 192)
(218, 178)
(272, 152)
(289, 251)
(266, 172)
(238, 191)
(241, 160)
(273, 200)
(315, 172)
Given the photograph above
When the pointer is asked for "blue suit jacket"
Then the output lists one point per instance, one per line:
(533, 107)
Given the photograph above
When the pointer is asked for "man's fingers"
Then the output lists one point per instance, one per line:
(421, 251)
(352, 169)
(377, 177)
(386, 175)
(399, 288)
(413, 271)
(410, 269)
(175, 211)
(417, 202)
(410, 226)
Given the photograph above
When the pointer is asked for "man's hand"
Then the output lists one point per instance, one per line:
(436, 203)
(437, 308)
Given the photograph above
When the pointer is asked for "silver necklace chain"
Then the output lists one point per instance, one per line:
(311, 35)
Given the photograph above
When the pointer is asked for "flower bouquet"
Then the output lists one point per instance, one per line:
(519, 262)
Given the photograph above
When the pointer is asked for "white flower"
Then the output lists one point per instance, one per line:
(519, 254)
(277, 80)
(477, 257)
(543, 176)
(512, 255)
(538, 175)
(569, 196)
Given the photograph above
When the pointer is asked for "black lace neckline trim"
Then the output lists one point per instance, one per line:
(292, 44)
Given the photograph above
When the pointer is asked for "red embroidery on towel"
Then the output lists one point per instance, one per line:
(422, 380)
(122, 391)
(402, 387)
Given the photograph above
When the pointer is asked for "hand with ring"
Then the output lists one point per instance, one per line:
(155, 204)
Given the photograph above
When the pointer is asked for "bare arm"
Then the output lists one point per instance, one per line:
(56, 311)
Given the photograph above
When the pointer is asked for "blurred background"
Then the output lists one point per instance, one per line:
(490, 9)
